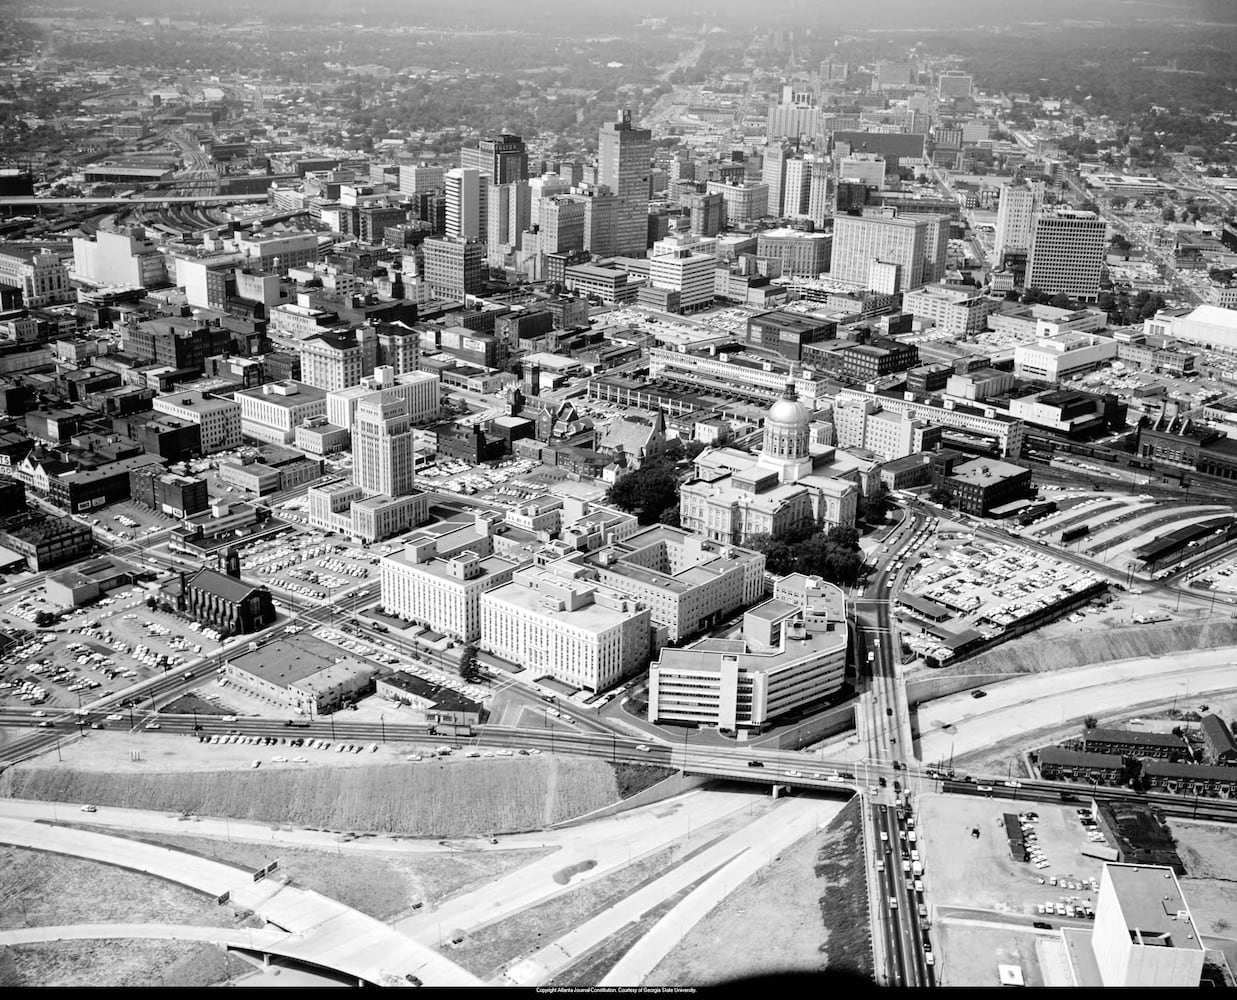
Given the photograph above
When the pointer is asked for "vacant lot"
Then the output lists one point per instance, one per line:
(968, 955)
(961, 870)
(1209, 851)
(120, 962)
(384, 886)
(105, 894)
(772, 914)
(427, 799)
(95, 892)
(496, 946)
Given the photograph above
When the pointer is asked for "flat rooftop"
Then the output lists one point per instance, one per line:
(1151, 900)
(706, 657)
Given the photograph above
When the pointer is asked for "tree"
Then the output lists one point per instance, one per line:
(670, 516)
(470, 670)
(942, 496)
(1168, 214)
(872, 509)
(645, 492)
(1091, 722)
(1119, 201)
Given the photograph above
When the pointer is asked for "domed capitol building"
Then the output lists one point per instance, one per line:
(736, 495)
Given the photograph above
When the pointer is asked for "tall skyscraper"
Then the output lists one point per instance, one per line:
(819, 193)
(1067, 253)
(1015, 220)
(508, 207)
(773, 173)
(382, 447)
(796, 187)
(505, 158)
(861, 241)
(562, 223)
(544, 186)
(624, 153)
(467, 217)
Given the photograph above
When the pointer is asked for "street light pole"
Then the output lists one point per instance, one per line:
(384, 728)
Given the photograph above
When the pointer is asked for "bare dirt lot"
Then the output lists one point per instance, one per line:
(1209, 851)
(121, 963)
(968, 954)
(807, 912)
(979, 873)
(107, 894)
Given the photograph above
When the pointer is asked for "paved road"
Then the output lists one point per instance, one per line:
(150, 821)
(1039, 701)
(610, 844)
(320, 930)
(235, 937)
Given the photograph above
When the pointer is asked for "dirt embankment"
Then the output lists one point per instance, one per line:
(472, 798)
(1032, 653)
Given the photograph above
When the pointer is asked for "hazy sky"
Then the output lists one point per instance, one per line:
(837, 15)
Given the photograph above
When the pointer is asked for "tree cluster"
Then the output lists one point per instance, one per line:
(833, 554)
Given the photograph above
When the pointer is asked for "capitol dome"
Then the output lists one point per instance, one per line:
(789, 411)
(787, 436)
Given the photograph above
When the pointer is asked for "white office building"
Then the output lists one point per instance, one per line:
(382, 447)
(1144, 934)
(273, 411)
(574, 631)
(788, 655)
(127, 258)
(444, 594)
(467, 191)
(689, 274)
(1015, 220)
(419, 390)
(218, 418)
(861, 241)
(1052, 359)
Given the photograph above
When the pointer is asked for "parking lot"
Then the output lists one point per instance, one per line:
(313, 567)
(985, 586)
(460, 477)
(980, 873)
(98, 650)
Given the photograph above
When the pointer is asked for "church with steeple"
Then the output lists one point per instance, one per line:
(735, 495)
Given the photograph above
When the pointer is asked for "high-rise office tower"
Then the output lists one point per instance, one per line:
(467, 217)
(562, 223)
(935, 246)
(1067, 253)
(544, 186)
(859, 241)
(796, 187)
(507, 208)
(505, 158)
(453, 268)
(1015, 220)
(382, 447)
(623, 156)
(773, 173)
(819, 193)
(600, 218)
(706, 213)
